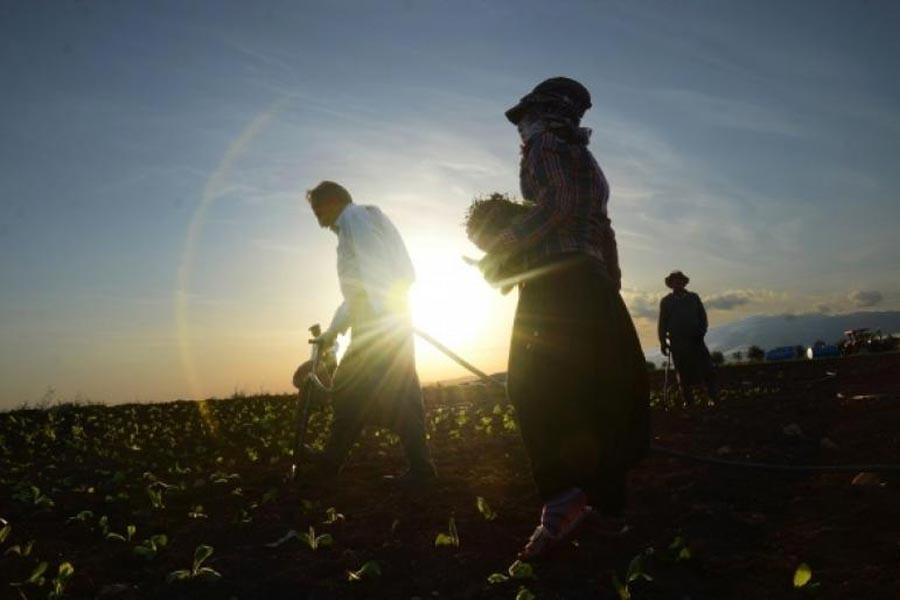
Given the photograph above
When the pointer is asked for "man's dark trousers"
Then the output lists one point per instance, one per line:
(376, 383)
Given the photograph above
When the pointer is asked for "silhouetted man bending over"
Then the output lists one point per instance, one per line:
(682, 326)
(376, 381)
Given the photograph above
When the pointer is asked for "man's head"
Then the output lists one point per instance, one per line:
(677, 280)
(327, 201)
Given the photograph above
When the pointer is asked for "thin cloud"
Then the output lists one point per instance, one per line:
(730, 113)
(642, 305)
(727, 301)
(865, 298)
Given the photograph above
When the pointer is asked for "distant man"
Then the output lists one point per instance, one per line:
(682, 327)
(376, 382)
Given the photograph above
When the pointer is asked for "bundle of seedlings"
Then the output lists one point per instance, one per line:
(487, 217)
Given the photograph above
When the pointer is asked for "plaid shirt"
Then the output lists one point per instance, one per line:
(570, 194)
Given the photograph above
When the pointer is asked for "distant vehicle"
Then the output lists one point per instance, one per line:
(823, 350)
(785, 353)
(864, 340)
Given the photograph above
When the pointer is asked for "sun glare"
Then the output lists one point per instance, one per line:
(450, 300)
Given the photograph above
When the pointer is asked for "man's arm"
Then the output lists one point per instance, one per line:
(340, 322)
(662, 327)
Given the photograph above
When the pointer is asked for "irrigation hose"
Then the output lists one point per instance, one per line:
(684, 455)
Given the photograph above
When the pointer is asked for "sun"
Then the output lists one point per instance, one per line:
(450, 300)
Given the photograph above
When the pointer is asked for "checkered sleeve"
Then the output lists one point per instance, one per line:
(554, 195)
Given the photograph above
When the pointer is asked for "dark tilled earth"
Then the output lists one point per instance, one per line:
(745, 531)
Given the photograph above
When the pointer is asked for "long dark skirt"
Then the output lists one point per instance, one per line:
(578, 380)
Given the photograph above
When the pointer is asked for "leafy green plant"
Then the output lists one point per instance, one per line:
(525, 594)
(332, 516)
(517, 570)
(5, 529)
(36, 579)
(82, 517)
(485, 509)
(802, 575)
(312, 541)
(150, 546)
(677, 551)
(58, 583)
(155, 493)
(451, 538)
(31, 494)
(197, 571)
(369, 570)
(637, 570)
(20, 549)
(803, 578)
(509, 421)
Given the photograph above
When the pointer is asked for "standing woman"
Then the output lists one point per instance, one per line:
(577, 374)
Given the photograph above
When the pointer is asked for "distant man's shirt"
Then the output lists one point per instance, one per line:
(682, 317)
(374, 268)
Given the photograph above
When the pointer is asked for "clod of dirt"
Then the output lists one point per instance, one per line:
(792, 430)
(827, 444)
(116, 591)
(723, 450)
(866, 479)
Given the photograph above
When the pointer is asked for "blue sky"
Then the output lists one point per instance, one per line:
(154, 240)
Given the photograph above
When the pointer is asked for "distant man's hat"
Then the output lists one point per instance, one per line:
(561, 93)
(676, 275)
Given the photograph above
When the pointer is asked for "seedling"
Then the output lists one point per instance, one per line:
(518, 570)
(485, 509)
(802, 578)
(59, 582)
(369, 570)
(332, 516)
(82, 517)
(525, 594)
(5, 528)
(451, 538)
(222, 477)
(678, 550)
(31, 494)
(155, 493)
(36, 579)
(312, 541)
(197, 571)
(150, 546)
(636, 571)
(20, 549)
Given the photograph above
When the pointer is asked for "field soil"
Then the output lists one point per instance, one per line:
(214, 473)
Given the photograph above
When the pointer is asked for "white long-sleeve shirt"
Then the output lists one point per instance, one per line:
(373, 266)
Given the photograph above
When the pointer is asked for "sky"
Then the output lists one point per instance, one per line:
(155, 241)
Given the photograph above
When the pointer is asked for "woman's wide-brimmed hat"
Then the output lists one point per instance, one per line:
(566, 95)
(676, 275)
